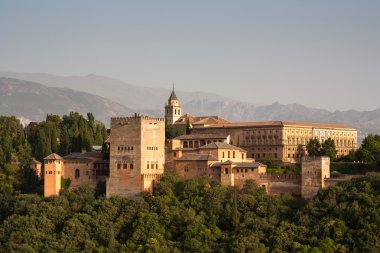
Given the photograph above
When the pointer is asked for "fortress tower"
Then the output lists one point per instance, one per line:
(173, 110)
(137, 155)
(314, 172)
(52, 174)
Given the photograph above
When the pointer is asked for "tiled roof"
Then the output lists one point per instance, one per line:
(238, 165)
(221, 145)
(53, 156)
(89, 155)
(201, 120)
(197, 157)
(201, 136)
(279, 124)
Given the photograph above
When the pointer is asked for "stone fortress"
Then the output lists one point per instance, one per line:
(225, 152)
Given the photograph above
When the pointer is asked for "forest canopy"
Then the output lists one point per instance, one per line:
(195, 216)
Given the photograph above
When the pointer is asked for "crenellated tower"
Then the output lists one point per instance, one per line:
(173, 110)
(137, 155)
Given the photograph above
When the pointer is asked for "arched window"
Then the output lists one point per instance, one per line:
(77, 173)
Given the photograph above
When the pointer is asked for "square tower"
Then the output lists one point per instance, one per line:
(53, 168)
(137, 155)
(314, 171)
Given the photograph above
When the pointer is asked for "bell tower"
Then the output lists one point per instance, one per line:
(173, 110)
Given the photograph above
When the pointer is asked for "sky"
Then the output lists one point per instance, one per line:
(323, 54)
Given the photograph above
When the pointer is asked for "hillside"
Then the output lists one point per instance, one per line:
(32, 101)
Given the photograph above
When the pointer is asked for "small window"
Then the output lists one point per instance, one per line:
(119, 166)
(77, 173)
(226, 170)
(131, 166)
(125, 166)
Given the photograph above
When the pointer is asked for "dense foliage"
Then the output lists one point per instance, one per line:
(195, 216)
(18, 145)
(72, 133)
(15, 157)
(327, 148)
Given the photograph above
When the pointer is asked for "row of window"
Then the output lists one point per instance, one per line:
(261, 131)
(151, 148)
(125, 148)
(176, 111)
(50, 172)
(125, 166)
(233, 155)
(152, 165)
(262, 142)
(263, 155)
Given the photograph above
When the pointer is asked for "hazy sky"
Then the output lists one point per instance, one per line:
(324, 54)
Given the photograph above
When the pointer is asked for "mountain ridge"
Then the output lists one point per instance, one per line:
(151, 101)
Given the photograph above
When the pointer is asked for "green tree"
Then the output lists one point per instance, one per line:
(328, 148)
(314, 147)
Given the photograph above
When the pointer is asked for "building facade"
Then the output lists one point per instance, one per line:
(137, 155)
(283, 141)
(80, 168)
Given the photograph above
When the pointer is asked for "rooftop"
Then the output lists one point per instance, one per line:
(201, 136)
(53, 156)
(238, 165)
(221, 145)
(197, 157)
(89, 155)
(279, 124)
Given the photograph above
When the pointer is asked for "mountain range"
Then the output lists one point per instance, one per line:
(107, 97)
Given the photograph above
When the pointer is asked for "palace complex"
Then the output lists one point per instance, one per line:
(225, 152)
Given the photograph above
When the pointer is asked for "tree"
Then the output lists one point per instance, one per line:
(329, 149)
(314, 147)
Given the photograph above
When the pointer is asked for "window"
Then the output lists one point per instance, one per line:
(174, 154)
(147, 165)
(125, 166)
(131, 166)
(228, 154)
(119, 166)
(226, 170)
(77, 173)
(223, 154)
(233, 154)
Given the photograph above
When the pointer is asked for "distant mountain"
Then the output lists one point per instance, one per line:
(143, 99)
(151, 101)
(32, 101)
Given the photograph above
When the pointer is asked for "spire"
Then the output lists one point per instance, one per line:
(173, 96)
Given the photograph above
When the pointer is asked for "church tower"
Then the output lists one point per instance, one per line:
(173, 109)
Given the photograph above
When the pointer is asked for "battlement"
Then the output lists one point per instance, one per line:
(280, 177)
(133, 119)
(314, 158)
